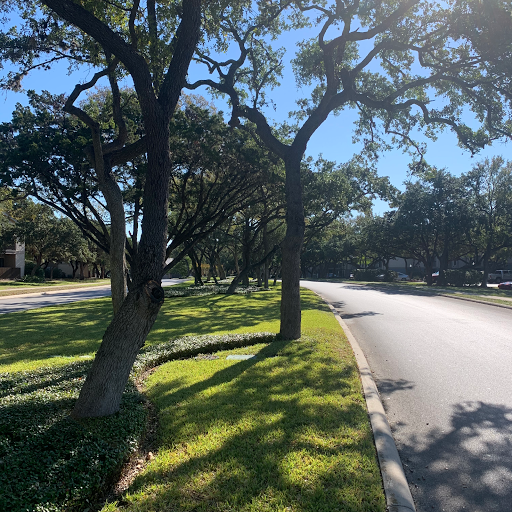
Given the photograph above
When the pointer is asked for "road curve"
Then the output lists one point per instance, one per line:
(442, 367)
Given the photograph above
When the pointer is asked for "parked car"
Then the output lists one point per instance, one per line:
(499, 276)
(435, 275)
(400, 276)
(506, 285)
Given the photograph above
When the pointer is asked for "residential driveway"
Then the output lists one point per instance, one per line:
(443, 368)
(36, 300)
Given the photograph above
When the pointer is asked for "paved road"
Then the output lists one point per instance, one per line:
(443, 368)
(35, 300)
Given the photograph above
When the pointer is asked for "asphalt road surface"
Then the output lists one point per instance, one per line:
(14, 303)
(443, 368)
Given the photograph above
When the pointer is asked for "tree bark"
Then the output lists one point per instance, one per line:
(220, 268)
(485, 277)
(291, 249)
(443, 265)
(118, 269)
(102, 391)
(74, 268)
(266, 264)
(126, 334)
(235, 257)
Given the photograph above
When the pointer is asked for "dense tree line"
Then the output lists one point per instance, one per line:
(439, 218)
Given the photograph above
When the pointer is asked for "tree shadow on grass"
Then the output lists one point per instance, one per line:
(215, 314)
(68, 330)
(468, 468)
(282, 429)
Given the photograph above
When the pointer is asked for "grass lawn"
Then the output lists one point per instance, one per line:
(285, 431)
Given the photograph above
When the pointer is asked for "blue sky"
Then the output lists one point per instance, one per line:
(333, 139)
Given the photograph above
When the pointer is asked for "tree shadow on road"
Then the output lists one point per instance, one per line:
(468, 468)
(390, 386)
(396, 289)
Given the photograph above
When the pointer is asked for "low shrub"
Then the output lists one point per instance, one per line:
(189, 346)
(48, 461)
(366, 274)
(213, 289)
(38, 278)
(461, 277)
(57, 273)
(29, 266)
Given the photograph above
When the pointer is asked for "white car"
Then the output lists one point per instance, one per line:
(402, 277)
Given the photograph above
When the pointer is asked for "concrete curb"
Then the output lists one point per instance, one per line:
(396, 488)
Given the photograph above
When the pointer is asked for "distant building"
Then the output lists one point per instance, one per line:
(12, 261)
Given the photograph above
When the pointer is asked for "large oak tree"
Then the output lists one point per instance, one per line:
(389, 61)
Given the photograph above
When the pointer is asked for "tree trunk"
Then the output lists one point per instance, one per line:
(197, 268)
(235, 257)
(443, 265)
(220, 268)
(102, 391)
(103, 388)
(37, 266)
(267, 263)
(485, 277)
(118, 269)
(291, 249)
(428, 271)
(278, 270)
(126, 334)
(246, 252)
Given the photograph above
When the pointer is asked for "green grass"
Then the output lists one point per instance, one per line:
(285, 431)
(491, 299)
(57, 335)
(52, 336)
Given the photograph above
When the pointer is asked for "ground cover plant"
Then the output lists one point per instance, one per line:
(290, 426)
(49, 462)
